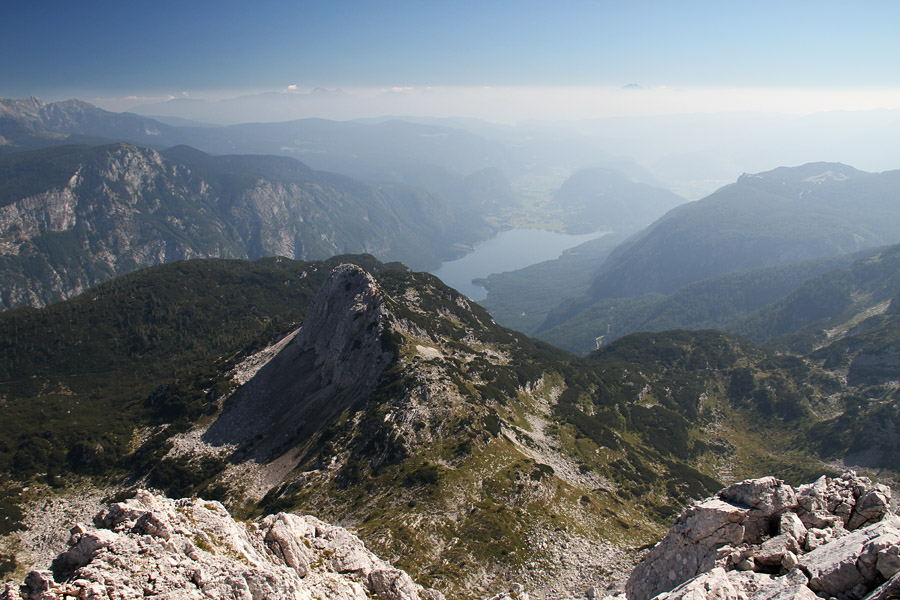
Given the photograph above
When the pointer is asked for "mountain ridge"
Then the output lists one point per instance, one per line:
(370, 151)
(71, 217)
(758, 215)
(770, 230)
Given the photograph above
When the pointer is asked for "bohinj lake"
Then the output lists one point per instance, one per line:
(507, 251)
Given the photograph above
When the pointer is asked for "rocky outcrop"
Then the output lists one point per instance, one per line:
(185, 549)
(334, 361)
(344, 327)
(763, 539)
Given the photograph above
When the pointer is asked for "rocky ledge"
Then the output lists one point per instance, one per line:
(761, 539)
(190, 549)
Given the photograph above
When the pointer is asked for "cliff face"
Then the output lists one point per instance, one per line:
(122, 207)
(71, 217)
(344, 327)
(332, 363)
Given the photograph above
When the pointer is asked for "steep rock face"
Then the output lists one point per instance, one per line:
(334, 361)
(120, 208)
(180, 549)
(765, 539)
(344, 326)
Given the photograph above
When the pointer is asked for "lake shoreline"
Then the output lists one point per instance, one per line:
(509, 250)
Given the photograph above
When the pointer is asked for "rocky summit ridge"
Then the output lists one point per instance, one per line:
(762, 539)
(153, 546)
(759, 539)
(335, 359)
(348, 313)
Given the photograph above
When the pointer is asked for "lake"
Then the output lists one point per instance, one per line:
(507, 251)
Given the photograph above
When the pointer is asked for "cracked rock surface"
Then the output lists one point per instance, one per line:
(151, 546)
(762, 539)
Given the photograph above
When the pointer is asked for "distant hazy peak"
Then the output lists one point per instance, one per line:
(825, 176)
(816, 172)
(24, 107)
(319, 91)
(33, 107)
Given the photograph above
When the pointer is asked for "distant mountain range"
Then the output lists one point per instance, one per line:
(73, 216)
(598, 198)
(374, 151)
(778, 217)
(710, 263)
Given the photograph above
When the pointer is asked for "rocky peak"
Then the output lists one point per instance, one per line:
(134, 167)
(344, 327)
(334, 361)
(25, 109)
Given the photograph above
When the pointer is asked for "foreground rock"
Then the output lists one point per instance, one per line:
(763, 539)
(186, 549)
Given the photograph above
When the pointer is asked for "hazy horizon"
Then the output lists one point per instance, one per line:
(506, 105)
(501, 61)
(697, 92)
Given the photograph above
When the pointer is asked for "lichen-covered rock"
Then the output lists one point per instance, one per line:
(871, 506)
(691, 547)
(790, 524)
(735, 585)
(764, 497)
(772, 551)
(192, 549)
(889, 590)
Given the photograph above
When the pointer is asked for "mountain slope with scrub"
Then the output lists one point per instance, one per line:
(438, 436)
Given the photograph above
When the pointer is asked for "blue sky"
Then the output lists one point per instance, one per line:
(85, 49)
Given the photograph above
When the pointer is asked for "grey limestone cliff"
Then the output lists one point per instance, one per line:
(344, 327)
(335, 360)
(74, 216)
